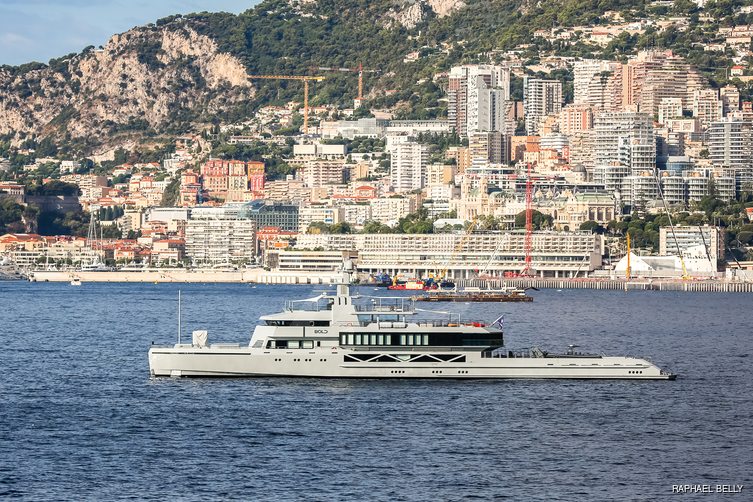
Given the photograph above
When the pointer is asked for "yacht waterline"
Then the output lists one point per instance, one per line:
(345, 336)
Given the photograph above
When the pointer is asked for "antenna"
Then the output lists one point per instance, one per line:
(179, 317)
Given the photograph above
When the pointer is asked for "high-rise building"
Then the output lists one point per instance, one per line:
(730, 97)
(556, 142)
(707, 107)
(218, 240)
(657, 74)
(408, 166)
(462, 157)
(582, 150)
(583, 72)
(574, 118)
(731, 142)
(477, 96)
(669, 108)
(598, 83)
(488, 147)
(625, 145)
(541, 98)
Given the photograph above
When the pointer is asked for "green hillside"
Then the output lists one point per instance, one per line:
(294, 37)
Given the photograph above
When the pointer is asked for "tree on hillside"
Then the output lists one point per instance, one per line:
(170, 195)
(540, 221)
(592, 226)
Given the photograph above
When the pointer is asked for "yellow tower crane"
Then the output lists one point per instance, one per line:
(472, 227)
(359, 69)
(306, 79)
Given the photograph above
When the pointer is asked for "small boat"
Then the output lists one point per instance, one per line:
(380, 280)
(75, 281)
(476, 295)
(412, 285)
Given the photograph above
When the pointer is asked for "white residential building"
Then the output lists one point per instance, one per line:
(670, 108)
(625, 145)
(220, 241)
(389, 210)
(584, 71)
(541, 99)
(707, 107)
(408, 166)
(731, 142)
(318, 213)
(554, 254)
(702, 242)
(356, 214)
(477, 96)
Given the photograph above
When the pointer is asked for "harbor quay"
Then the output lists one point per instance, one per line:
(186, 276)
(262, 276)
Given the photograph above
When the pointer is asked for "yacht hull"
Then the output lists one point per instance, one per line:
(187, 361)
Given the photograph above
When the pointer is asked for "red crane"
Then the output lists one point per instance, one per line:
(526, 272)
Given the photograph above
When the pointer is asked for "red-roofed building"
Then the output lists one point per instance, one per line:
(214, 174)
(168, 251)
(12, 188)
(26, 242)
(272, 238)
(237, 180)
(365, 192)
(255, 176)
(130, 251)
(189, 178)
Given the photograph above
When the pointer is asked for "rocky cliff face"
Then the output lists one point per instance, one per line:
(412, 12)
(141, 79)
(188, 71)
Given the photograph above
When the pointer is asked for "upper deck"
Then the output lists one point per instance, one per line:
(361, 304)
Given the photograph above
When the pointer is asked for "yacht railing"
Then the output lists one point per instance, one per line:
(386, 304)
(452, 322)
(307, 305)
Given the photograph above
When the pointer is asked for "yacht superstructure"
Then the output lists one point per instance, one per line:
(345, 336)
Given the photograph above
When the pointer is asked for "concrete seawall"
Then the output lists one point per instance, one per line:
(619, 284)
(261, 276)
(185, 276)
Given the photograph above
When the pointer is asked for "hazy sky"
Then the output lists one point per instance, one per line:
(38, 30)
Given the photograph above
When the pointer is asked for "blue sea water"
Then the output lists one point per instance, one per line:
(80, 418)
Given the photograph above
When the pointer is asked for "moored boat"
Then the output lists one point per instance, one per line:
(476, 295)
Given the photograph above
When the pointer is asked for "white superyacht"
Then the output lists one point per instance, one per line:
(345, 336)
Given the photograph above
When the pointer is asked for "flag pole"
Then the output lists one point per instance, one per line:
(178, 317)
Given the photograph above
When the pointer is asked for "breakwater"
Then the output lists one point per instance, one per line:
(618, 284)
